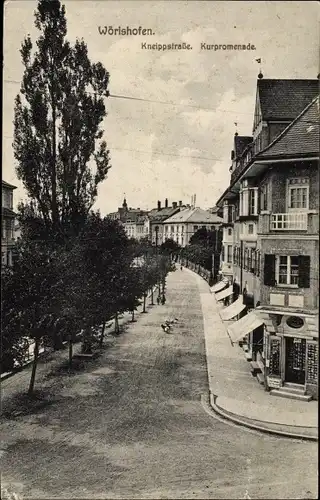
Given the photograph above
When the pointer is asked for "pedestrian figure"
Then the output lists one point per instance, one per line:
(158, 300)
(165, 328)
(163, 300)
(181, 268)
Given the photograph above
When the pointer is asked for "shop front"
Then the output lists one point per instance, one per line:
(292, 356)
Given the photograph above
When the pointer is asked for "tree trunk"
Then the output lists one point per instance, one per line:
(116, 324)
(57, 341)
(70, 351)
(132, 317)
(102, 334)
(144, 302)
(34, 366)
(152, 303)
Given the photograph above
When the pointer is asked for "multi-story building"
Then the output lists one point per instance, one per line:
(158, 216)
(184, 224)
(124, 212)
(8, 220)
(136, 226)
(271, 253)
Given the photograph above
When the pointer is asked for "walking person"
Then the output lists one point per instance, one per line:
(163, 300)
(158, 300)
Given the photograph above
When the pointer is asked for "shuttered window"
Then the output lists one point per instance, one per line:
(269, 270)
(287, 270)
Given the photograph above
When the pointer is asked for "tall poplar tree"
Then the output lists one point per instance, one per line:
(61, 157)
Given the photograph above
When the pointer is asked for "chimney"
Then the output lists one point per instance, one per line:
(174, 204)
(180, 203)
(159, 205)
(166, 203)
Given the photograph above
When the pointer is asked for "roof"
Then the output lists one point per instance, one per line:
(132, 215)
(162, 214)
(240, 143)
(285, 99)
(7, 185)
(300, 138)
(196, 215)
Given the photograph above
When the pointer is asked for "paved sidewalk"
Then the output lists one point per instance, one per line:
(235, 393)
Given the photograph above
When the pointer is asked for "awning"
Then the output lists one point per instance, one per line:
(233, 310)
(225, 293)
(218, 286)
(243, 326)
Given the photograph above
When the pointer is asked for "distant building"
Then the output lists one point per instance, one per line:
(184, 224)
(8, 220)
(158, 216)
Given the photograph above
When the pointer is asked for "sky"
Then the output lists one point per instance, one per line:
(183, 148)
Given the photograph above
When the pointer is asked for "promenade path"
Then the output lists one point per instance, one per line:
(134, 425)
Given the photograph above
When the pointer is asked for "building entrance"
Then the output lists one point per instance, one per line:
(295, 360)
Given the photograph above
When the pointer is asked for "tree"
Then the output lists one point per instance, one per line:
(170, 247)
(57, 119)
(30, 301)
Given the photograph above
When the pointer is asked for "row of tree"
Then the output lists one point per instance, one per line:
(203, 250)
(55, 291)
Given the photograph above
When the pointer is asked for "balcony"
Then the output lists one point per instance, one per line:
(286, 222)
(289, 222)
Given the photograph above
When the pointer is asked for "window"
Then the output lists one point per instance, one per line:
(222, 254)
(250, 228)
(252, 204)
(166, 229)
(288, 270)
(182, 229)
(229, 231)
(264, 197)
(3, 257)
(195, 228)
(298, 194)
(230, 213)
(229, 254)
(172, 229)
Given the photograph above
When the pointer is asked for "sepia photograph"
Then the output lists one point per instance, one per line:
(160, 250)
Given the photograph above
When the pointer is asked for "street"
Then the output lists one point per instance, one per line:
(132, 425)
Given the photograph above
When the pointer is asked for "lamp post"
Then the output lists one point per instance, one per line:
(157, 257)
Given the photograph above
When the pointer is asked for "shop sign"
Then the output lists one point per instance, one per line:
(274, 383)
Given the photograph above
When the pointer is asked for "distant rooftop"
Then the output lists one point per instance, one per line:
(196, 215)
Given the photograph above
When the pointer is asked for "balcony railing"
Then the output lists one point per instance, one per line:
(289, 222)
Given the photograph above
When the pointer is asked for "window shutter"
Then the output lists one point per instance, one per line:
(269, 270)
(304, 271)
